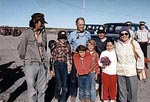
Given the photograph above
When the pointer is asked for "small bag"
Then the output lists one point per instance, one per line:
(141, 75)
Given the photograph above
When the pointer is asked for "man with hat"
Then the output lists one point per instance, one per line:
(32, 51)
(143, 37)
(100, 46)
(132, 33)
(101, 42)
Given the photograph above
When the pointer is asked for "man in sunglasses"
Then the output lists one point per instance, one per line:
(76, 38)
(143, 37)
(128, 23)
(128, 66)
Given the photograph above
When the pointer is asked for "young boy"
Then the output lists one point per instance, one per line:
(60, 56)
(82, 61)
(94, 68)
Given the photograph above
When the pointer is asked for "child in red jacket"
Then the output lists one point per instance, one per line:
(82, 61)
(94, 68)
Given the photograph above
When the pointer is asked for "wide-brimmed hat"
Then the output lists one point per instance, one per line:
(101, 30)
(39, 16)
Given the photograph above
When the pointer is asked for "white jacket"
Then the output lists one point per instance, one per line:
(111, 69)
(127, 64)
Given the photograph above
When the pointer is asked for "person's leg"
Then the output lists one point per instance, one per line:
(86, 87)
(92, 87)
(64, 72)
(81, 88)
(73, 82)
(122, 89)
(105, 83)
(42, 83)
(132, 86)
(57, 70)
(113, 87)
(31, 76)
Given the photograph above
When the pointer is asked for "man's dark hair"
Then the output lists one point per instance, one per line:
(80, 18)
(35, 18)
(81, 48)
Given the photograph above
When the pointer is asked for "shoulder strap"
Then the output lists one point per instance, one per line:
(134, 51)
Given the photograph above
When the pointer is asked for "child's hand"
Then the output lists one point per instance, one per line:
(95, 77)
(69, 68)
(52, 73)
(104, 66)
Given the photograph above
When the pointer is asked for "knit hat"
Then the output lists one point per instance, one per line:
(62, 35)
(124, 28)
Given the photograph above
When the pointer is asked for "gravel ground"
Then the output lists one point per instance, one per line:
(12, 82)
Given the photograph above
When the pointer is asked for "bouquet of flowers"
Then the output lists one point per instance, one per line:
(105, 61)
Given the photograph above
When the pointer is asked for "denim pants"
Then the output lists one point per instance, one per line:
(61, 80)
(36, 78)
(73, 82)
(92, 87)
(84, 87)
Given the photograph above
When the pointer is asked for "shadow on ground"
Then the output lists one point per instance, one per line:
(9, 76)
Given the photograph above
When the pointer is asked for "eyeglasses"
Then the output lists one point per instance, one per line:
(122, 34)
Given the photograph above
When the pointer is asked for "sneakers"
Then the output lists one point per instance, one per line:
(73, 99)
(54, 100)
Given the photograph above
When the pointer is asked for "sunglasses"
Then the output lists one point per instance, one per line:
(122, 34)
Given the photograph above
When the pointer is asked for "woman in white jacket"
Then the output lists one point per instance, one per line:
(128, 66)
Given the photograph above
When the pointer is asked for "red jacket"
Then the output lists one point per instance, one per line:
(94, 64)
(82, 67)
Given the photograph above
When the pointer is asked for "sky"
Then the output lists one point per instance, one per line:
(63, 13)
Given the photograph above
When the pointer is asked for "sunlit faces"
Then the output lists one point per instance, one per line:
(90, 46)
(39, 25)
(124, 36)
(109, 46)
(82, 54)
(80, 25)
(101, 35)
(142, 27)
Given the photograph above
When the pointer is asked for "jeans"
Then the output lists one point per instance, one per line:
(61, 80)
(73, 82)
(84, 87)
(36, 78)
(92, 87)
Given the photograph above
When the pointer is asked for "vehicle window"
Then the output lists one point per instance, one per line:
(110, 29)
(117, 29)
(134, 28)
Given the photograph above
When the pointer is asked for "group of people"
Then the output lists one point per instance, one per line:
(110, 64)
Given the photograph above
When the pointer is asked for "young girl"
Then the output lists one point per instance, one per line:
(108, 62)
(94, 69)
